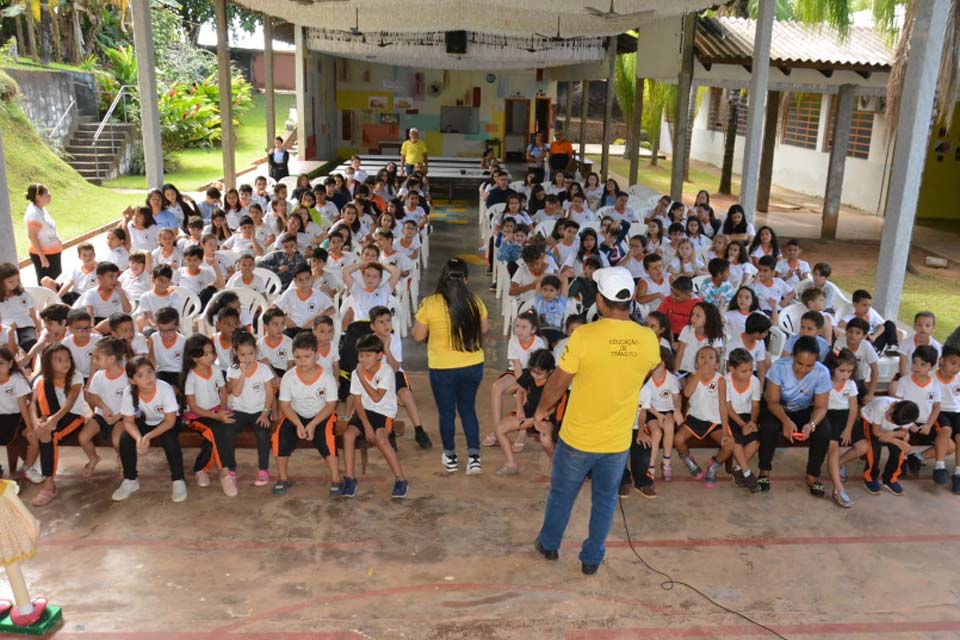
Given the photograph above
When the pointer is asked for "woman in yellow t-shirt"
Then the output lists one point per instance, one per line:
(453, 322)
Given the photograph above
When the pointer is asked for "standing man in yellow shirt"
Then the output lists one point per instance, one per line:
(413, 152)
(604, 364)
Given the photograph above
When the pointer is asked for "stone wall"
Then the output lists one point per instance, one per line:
(46, 95)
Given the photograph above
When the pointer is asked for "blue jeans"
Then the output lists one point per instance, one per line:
(570, 467)
(455, 390)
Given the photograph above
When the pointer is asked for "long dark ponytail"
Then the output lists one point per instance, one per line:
(466, 333)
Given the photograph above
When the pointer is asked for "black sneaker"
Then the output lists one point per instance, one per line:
(940, 477)
(549, 554)
(473, 465)
(956, 485)
(752, 483)
(280, 489)
(738, 478)
(422, 439)
(449, 462)
(349, 488)
(764, 483)
(588, 569)
(914, 464)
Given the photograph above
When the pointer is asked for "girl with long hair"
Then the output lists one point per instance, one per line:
(452, 321)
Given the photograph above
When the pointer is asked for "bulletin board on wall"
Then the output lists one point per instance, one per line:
(458, 119)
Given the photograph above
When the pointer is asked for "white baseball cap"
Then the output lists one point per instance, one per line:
(614, 283)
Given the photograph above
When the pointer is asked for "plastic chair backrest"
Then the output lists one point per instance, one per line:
(699, 282)
(790, 318)
(189, 309)
(273, 282)
(777, 342)
(43, 297)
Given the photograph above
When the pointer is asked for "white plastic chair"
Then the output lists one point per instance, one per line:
(789, 318)
(250, 300)
(273, 283)
(699, 282)
(43, 297)
(189, 309)
(778, 340)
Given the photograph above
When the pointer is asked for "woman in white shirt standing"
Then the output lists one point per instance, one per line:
(45, 246)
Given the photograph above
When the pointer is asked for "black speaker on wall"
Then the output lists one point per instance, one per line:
(456, 41)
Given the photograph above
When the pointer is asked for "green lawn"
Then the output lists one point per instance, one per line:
(702, 176)
(77, 205)
(200, 166)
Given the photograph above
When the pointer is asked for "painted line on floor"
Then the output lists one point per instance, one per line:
(312, 604)
(210, 545)
(757, 541)
(208, 635)
(739, 631)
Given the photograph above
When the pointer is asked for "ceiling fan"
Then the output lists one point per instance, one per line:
(556, 38)
(355, 29)
(612, 13)
(382, 43)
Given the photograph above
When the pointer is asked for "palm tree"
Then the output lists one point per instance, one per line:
(657, 97)
(624, 89)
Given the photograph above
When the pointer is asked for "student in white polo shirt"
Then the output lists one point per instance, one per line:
(104, 394)
(302, 303)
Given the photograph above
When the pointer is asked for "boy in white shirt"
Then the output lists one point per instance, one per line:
(166, 347)
(868, 369)
(81, 340)
(888, 421)
(275, 348)
(107, 299)
(104, 394)
(203, 280)
(308, 402)
(245, 277)
(772, 292)
(921, 389)
(949, 382)
(135, 281)
(74, 282)
(923, 325)
(740, 411)
(791, 269)
(372, 385)
(160, 296)
(302, 303)
(116, 248)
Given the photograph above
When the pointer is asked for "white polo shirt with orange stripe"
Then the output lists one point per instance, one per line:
(382, 378)
(39, 219)
(308, 396)
(302, 309)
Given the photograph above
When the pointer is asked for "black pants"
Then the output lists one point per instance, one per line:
(53, 271)
(225, 437)
(172, 378)
(11, 425)
(49, 450)
(636, 471)
(888, 338)
(70, 297)
(895, 457)
(538, 173)
(826, 432)
(26, 337)
(770, 430)
(262, 435)
(170, 441)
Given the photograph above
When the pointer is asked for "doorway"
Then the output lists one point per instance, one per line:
(543, 118)
(516, 128)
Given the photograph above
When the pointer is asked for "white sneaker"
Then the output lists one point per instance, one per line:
(33, 474)
(126, 489)
(203, 478)
(179, 491)
(473, 466)
(450, 462)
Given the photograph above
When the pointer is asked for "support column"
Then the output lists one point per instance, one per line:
(584, 107)
(147, 87)
(759, 76)
(910, 152)
(838, 160)
(8, 248)
(226, 95)
(269, 98)
(766, 152)
(568, 109)
(608, 107)
(635, 130)
(300, 67)
(680, 118)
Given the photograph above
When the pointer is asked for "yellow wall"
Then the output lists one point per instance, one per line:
(940, 191)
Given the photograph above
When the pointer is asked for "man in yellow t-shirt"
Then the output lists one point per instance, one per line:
(413, 151)
(604, 364)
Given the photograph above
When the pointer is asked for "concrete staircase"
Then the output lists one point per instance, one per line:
(101, 160)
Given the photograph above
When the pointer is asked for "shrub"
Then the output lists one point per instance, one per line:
(138, 166)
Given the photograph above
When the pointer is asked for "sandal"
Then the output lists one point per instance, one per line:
(816, 489)
(44, 498)
(5, 606)
(25, 620)
(489, 440)
(518, 446)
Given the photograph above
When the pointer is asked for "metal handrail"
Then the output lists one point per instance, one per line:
(73, 103)
(121, 94)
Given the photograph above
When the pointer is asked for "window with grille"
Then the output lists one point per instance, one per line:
(802, 121)
(717, 112)
(742, 113)
(861, 131)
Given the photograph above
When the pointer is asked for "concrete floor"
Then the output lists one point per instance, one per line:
(455, 560)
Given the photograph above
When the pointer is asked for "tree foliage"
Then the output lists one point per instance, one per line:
(193, 13)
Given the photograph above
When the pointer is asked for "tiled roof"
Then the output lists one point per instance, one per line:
(730, 40)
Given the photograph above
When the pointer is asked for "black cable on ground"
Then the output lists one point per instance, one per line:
(669, 582)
